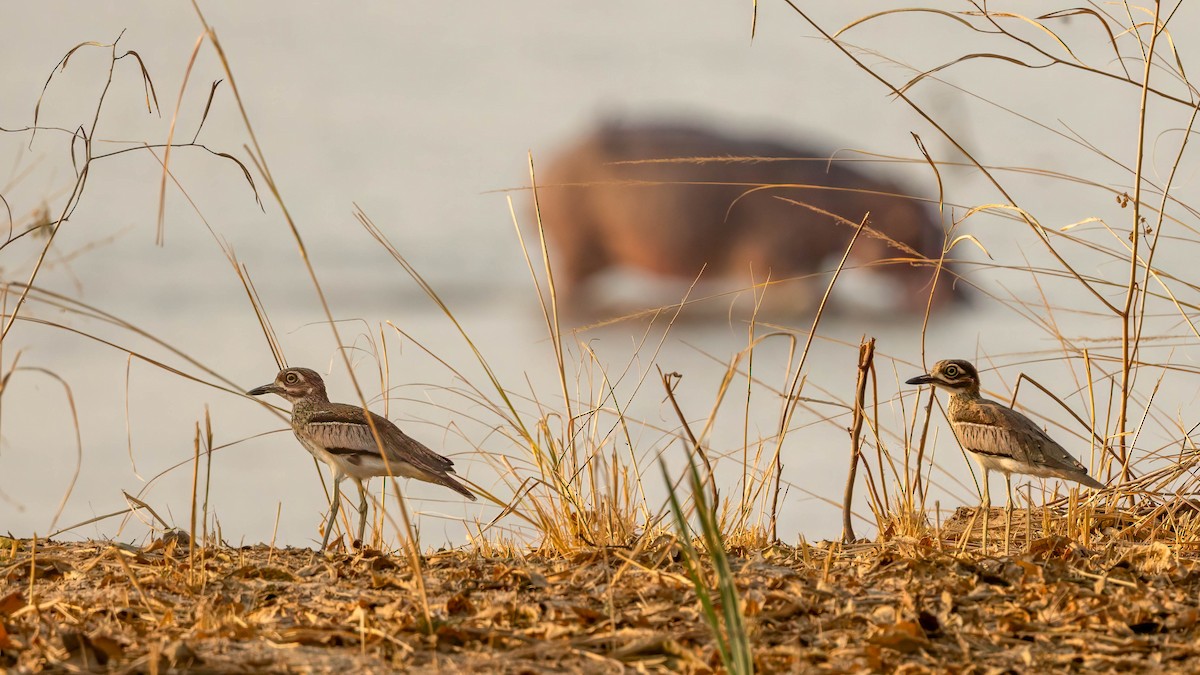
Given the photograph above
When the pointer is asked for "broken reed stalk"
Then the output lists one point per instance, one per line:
(866, 356)
(274, 531)
(192, 530)
(696, 447)
(32, 569)
(208, 450)
(1028, 515)
(799, 378)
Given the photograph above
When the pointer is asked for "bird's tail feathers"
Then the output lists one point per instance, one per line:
(449, 481)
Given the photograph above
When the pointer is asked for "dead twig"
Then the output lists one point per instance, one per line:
(866, 356)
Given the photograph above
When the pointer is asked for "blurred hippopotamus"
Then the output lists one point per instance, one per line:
(732, 219)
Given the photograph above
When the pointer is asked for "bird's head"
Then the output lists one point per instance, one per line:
(954, 375)
(294, 384)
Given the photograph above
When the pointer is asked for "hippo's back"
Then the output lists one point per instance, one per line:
(727, 203)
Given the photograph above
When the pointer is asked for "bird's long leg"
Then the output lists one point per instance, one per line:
(333, 511)
(987, 508)
(362, 512)
(1008, 509)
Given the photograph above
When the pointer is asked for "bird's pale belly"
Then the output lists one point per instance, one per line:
(319, 452)
(366, 466)
(1008, 466)
(359, 466)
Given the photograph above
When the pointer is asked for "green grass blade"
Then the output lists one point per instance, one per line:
(728, 627)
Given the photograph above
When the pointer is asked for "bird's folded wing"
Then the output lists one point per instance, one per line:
(344, 427)
(995, 429)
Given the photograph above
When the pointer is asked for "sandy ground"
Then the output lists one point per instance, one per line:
(903, 606)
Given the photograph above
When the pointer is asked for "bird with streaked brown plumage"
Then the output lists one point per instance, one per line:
(339, 435)
(1000, 438)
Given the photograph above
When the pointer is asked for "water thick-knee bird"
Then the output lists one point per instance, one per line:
(999, 437)
(339, 435)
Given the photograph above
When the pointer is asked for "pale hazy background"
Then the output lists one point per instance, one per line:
(423, 114)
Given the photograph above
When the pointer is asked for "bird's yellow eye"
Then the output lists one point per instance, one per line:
(291, 378)
(951, 371)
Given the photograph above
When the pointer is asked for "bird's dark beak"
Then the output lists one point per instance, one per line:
(265, 389)
(920, 379)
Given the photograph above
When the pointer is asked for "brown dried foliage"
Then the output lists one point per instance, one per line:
(911, 605)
